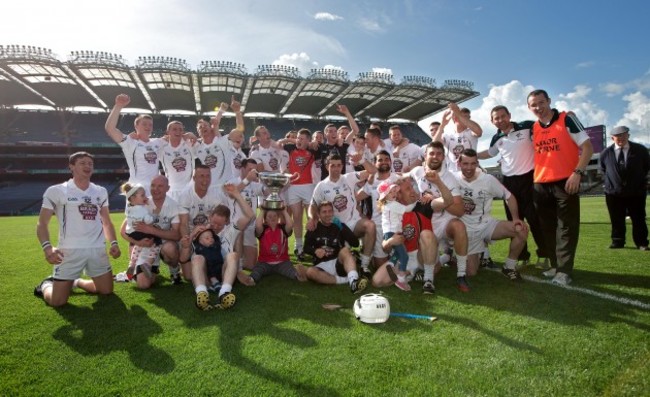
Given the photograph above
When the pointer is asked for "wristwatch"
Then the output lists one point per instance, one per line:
(580, 172)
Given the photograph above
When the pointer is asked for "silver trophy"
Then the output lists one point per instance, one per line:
(275, 181)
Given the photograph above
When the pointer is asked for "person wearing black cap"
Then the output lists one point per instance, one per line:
(625, 167)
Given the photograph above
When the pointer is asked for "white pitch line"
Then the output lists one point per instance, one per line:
(602, 295)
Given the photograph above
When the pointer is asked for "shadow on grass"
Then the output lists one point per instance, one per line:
(109, 326)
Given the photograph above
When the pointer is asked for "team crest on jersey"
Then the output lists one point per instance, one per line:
(301, 161)
(200, 219)
(340, 202)
(274, 164)
(179, 164)
(408, 231)
(210, 161)
(237, 161)
(88, 211)
(150, 156)
(457, 150)
(275, 249)
(397, 165)
(468, 205)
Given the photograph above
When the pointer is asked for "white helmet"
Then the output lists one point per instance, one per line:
(372, 309)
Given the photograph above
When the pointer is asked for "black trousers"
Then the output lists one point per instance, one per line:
(559, 217)
(619, 207)
(521, 186)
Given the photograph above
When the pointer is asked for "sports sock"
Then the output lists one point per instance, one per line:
(352, 275)
(299, 244)
(341, 279)
(461, 262)
(444, 258)
(428, 272)
(510, 263)
(365, 261)
(200, 288)
(225, 288)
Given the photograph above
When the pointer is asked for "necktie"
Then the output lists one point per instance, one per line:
(621, 160)
(620, 164)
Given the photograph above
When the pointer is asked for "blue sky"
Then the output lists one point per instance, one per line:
(592, 57)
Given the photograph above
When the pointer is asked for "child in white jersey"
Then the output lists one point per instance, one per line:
(392, 213)
(142, 258)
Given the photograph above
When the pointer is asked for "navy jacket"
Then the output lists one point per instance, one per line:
(636, 172)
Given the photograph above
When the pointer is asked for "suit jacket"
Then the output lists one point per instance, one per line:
(634, 179)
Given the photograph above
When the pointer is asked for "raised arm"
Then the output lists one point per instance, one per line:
(446, 118)
(235, 106)
(354, 128)
(443, 202)
(121, 101)
(476, 129)
(248, 213)
(216, 120)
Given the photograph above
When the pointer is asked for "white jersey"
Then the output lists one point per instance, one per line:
(366, 156)
(477, 198)
(198, 208)
(371, 190)
(406, 158)
(142, 159)
(237, 156)
(425, 185)
(137, 213)
(270, 157)
(178, 164)
(455, 143)
(228, 237)
(392, 214)
(516, 149)
(167, 215)
(80, 224)
(342, 194)
(218, 157)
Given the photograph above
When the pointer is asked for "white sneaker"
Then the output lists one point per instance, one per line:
(561, 279)
(550, 272)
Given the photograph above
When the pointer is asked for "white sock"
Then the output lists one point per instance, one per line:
(352, 275)
(341, 279)
(486, 252)
(510, 264)
(75, 283)
(200, 288)
(225, 288)
(365, 261)
(401, 278)
(428, 272)
(444, 258)
(299, 244)
(461, 262)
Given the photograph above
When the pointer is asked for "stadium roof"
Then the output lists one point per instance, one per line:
(34, 76)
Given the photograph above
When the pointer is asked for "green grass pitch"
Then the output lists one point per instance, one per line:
(501, 339)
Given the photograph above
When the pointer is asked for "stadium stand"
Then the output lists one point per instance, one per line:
(44, 102)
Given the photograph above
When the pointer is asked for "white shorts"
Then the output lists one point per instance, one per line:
(353, 223)
(330, 267)
(477, 239)
(378, 251)
(75, 260)
(300, 193)
(249, 237)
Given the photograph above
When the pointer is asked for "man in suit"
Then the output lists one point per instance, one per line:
(625, 167)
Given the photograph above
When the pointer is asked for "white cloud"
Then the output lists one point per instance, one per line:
(334, 67)
(583, 65)
(383, 70)
(300, 60)
(371, 25)
(578, 101)
(326, 16)
(637, 117)
(480, 8)
(612, 89)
